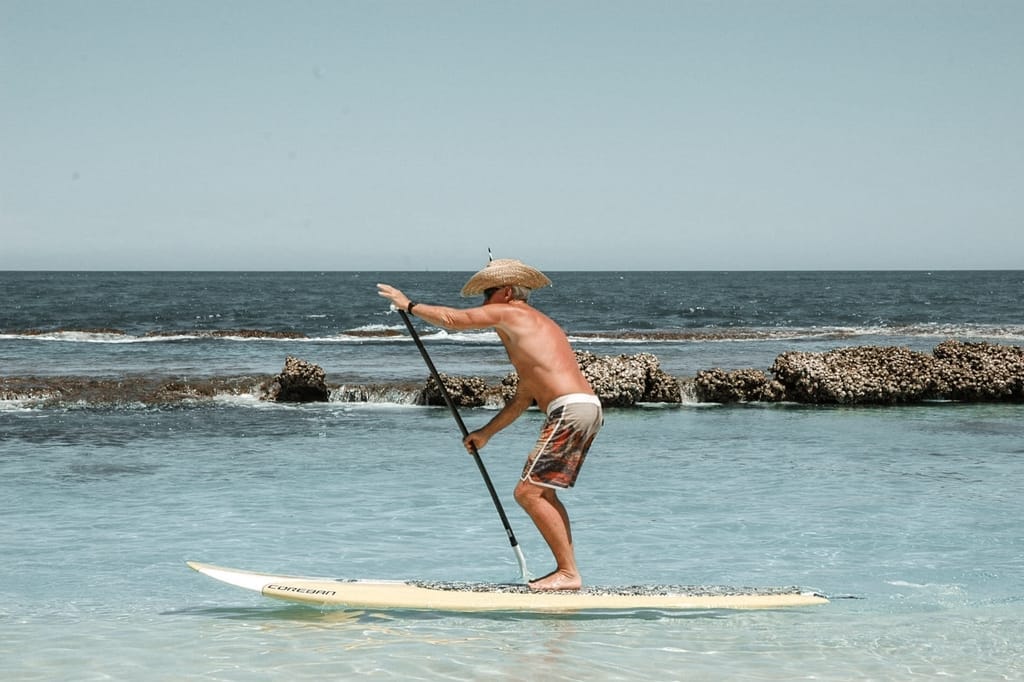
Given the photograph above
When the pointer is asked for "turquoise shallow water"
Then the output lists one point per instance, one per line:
(908, 517)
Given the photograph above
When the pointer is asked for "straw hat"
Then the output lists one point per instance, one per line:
(504, 272)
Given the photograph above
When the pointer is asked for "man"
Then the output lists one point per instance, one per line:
(548, 375)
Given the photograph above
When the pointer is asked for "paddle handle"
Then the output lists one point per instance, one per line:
(472, 448)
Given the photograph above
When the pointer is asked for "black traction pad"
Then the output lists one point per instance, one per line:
(624, 590)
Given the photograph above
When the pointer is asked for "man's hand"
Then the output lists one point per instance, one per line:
(477, 440)
(397, 298)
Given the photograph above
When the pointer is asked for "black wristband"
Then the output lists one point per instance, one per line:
(412, 304)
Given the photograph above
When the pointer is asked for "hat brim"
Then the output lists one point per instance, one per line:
(505, 272)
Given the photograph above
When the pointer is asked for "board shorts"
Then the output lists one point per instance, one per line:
(572, 423)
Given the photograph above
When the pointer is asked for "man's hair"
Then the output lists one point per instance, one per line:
(520, 293)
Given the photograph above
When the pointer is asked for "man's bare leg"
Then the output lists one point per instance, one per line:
(551, 519)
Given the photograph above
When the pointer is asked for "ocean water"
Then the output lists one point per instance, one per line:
(908, 517)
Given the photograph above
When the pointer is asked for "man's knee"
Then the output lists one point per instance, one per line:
(526, 493)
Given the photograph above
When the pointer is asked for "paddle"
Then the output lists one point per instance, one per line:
(476, 455)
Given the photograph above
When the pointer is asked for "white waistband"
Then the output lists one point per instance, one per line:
(570, 398)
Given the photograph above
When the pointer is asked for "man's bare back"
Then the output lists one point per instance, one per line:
(538, 349)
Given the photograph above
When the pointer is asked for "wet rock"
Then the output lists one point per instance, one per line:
(739, 386)
(298, 382)
(464, 391)
(969, 372)
(659, 385)
(256, 334)
(127, 390)
(858, 375)
(625, 380)
(980, 372)
(229, 333)
(618, 381)
(844, 376)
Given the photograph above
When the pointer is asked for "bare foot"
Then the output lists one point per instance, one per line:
(557, 580)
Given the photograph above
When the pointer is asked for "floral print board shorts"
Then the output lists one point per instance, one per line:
(572, 424)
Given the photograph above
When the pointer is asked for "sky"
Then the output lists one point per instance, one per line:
(574, 135)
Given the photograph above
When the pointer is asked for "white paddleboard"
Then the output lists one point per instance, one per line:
(466, 597)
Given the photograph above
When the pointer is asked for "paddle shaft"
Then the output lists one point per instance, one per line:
(472, 448)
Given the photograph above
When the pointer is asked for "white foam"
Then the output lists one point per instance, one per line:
(242, 400)
(74, 337)
(16, 405)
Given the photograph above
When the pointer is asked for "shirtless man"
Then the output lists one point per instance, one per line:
(548, 375)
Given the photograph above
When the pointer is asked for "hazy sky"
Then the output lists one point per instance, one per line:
(684, 135)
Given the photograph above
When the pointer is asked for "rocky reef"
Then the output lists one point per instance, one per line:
(619, 381)
(80, 391)
(980, 372)
(625, 380)
(738, 386)
(870, 375)
(858, 375)
(299, 382)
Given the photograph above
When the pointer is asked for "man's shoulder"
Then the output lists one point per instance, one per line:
(525, 312)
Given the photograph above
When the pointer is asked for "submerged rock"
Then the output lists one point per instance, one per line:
(55, 391)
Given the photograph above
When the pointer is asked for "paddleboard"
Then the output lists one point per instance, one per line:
(470, 597)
